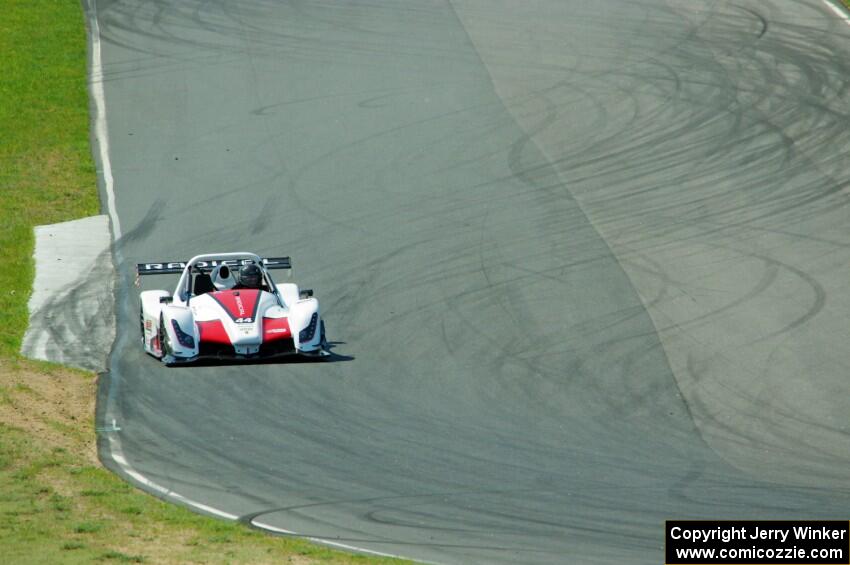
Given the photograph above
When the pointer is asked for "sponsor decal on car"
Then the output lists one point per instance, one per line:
(275, 329)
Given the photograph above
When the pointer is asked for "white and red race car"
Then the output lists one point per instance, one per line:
(210, 315)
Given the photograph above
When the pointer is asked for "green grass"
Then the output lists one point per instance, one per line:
(98, 517)
(56, 505)
(46, 169)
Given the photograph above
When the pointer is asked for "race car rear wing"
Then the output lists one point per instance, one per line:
(176, 267)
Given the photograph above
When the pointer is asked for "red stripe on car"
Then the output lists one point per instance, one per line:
(213, 332)
(238, 303)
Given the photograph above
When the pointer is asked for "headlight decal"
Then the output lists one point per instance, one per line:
(185, 339)
(307, 333)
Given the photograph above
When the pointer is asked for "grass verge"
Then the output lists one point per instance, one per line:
(57, 504)
(46, 170)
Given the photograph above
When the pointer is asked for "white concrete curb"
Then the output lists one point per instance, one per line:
(72, 311)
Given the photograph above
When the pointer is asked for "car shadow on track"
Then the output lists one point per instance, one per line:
(285, 360)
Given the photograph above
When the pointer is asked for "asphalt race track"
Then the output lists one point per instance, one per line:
(585, 265)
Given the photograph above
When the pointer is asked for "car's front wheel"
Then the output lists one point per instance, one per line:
(162, 336)
(142, 326)
(323, 340)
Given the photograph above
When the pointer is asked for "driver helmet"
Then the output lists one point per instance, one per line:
(250, 276)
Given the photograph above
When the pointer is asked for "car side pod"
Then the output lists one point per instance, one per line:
(150, 309)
